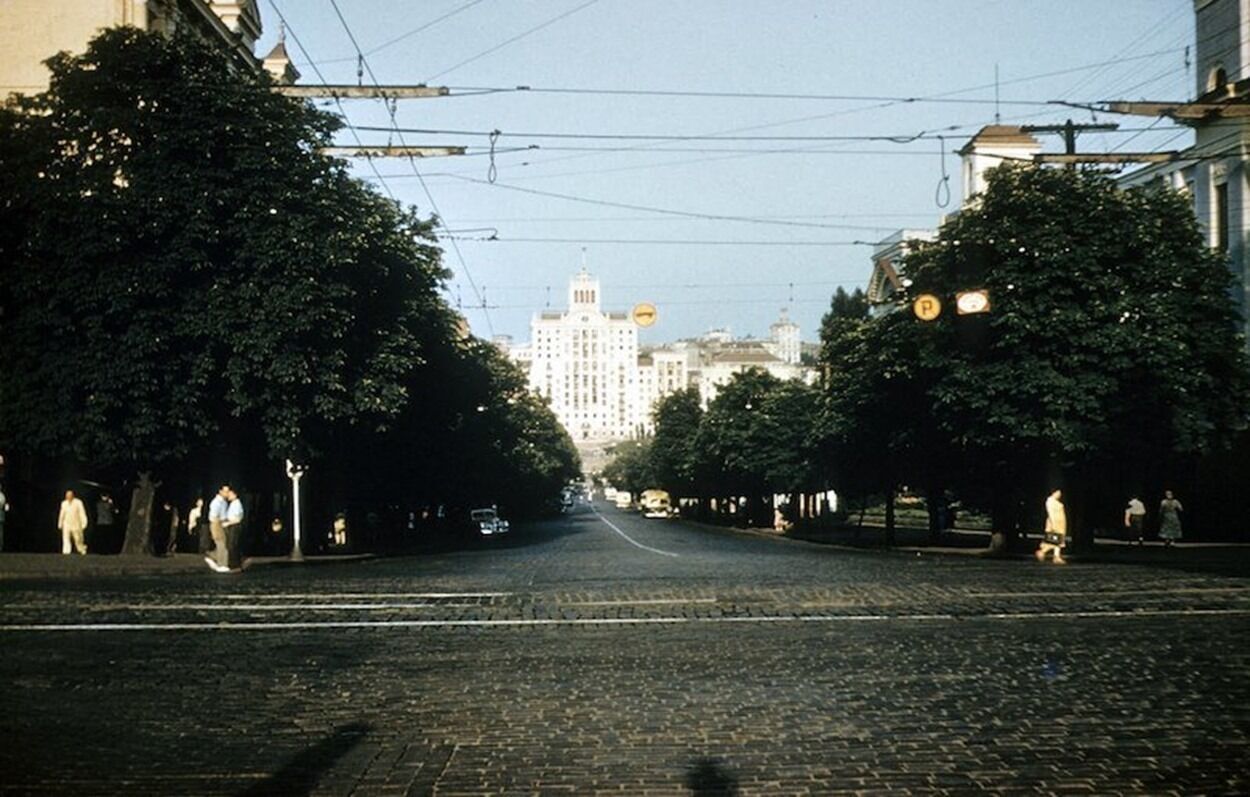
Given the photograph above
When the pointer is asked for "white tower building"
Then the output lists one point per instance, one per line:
(585, 360)
(784, 337)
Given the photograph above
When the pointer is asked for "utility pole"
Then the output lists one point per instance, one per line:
(1069, 131)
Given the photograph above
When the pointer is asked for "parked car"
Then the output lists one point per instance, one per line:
(624, 500)
(657, 504)
(488, 522)
(609, 493)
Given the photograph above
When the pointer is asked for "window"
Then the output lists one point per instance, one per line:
(1217, 79)
(1219, 221)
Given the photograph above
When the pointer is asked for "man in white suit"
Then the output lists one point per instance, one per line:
(73, 524)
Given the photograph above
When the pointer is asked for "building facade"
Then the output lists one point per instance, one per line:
(1213, 170)
(584, 361)
(31, 31)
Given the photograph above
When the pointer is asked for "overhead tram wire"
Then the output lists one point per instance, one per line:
(511, 40)
(670, 211)
(936, 98)
(342, 111)
(932, 134)
(455, 246)
(405, 35)
(719, 158)
(662, 241)
(875, 106)
(1140, 39)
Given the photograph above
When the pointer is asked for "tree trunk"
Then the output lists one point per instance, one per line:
(1005, 521)
(889, 516)
(139, 525)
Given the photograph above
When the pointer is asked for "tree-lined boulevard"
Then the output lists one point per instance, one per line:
(194, 293)
(619, 655)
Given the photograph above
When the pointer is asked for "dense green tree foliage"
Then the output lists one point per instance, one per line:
(1109, 356)
(674, 451)
(758, 438)
(184, 276)
(630, 468)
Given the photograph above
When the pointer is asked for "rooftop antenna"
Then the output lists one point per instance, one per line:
(997, 119)
(583, 260)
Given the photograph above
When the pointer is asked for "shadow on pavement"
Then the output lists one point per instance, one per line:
(708, 777)
(301, 773)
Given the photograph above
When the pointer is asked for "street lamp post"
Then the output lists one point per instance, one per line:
(295, 472)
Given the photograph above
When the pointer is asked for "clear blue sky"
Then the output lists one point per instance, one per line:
(848, 190)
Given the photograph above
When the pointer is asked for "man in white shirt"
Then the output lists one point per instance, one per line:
(218, 560)
(1135, 520)
(233, 526)
(73, 524)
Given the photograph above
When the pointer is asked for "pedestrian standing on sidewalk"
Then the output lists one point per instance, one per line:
(105, 518)
(1170, 518)
(73, 524)
(1056, 529)
(216, 520)
(233, 525)
(1135, 520)
(175, 525)
(4, 510)
(196, 527)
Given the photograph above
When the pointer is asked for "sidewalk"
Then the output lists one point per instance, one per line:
(1224, 558)
(54, 565)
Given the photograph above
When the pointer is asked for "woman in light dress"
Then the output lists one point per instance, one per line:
(1169, 518)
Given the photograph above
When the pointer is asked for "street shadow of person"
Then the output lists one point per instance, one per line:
(300, 774)
(708, 777)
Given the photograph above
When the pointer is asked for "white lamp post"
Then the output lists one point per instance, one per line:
(295, 472)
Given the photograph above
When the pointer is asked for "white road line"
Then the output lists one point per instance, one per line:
(823, 618)
(630, 539)
(1162, 592)
(359, 595)
(277, 607)
(641, 602)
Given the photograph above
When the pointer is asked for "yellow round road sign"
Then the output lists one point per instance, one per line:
(644, 314)
(927, 307)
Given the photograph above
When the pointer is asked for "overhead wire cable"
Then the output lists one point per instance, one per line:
(512, 40)
(342, 111)
(668, 211)
(442, 222)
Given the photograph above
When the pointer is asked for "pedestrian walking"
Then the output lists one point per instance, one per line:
(1135, 520)
(218, 560)
(338, 532)
(233, 526)
(72, 522)
(175, 524)
(1170, 518)
(105, 518)
(4, 510)
(1056, 529)
(197, 527)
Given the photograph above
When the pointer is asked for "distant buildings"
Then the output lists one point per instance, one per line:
(603, 386)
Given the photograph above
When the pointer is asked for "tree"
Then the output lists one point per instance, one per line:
(1110, 348)
(630, 467)
(183, 270)
(674, 455)
(757, 440)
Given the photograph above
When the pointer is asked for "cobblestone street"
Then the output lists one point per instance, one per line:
(606, 653)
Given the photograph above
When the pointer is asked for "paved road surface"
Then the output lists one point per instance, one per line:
(606, 653)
